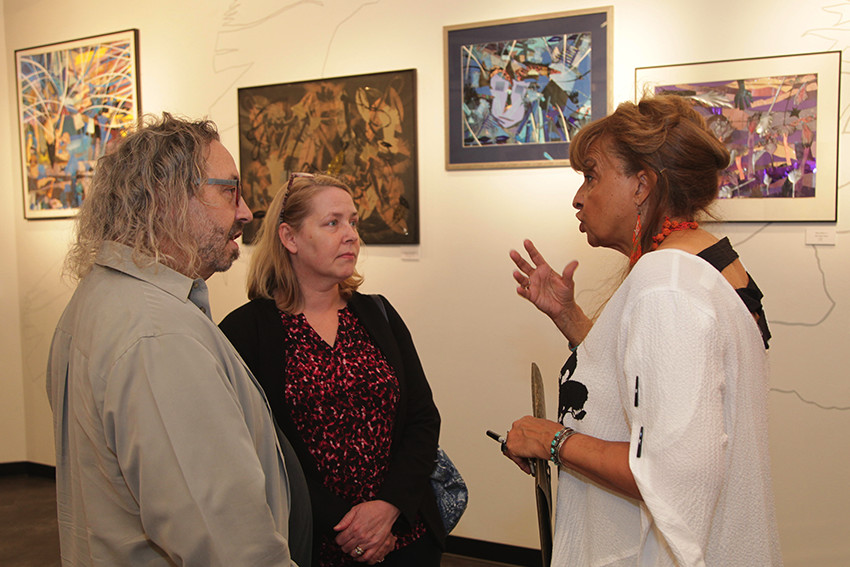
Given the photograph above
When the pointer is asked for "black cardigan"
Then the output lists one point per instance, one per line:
(256, 330)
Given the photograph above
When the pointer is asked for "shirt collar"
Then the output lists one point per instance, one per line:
(119, 257)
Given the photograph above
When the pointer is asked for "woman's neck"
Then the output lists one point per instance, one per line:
(320, 306)
(320, 300)
(312, 300)
(693, 241)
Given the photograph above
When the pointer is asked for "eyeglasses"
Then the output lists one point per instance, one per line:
(292, 177)
(234, 183)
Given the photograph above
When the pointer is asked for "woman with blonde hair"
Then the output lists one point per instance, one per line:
(344, 382)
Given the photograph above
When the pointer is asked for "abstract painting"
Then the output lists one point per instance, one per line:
(778, 119)
(75, 100)
(359, 128)
(519, 90)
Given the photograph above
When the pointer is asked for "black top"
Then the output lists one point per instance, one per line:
(257, 333)
(720, 255)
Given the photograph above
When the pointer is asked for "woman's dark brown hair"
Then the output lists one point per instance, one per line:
(663, 134)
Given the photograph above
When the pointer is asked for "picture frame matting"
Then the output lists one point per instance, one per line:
(517, 89)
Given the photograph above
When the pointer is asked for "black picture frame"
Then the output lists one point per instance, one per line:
(359, 128)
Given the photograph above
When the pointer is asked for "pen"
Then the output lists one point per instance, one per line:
(498, 438)
(495, 436)
(532, 463)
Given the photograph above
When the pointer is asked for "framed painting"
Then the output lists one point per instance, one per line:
(778, 116)
(360, 128)
(517, 90)
(75, 99)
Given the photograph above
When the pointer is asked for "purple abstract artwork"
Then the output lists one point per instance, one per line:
(769, 125)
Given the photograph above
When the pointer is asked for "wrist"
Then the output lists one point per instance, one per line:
(558, 442)
(387, 506)
(573, 324)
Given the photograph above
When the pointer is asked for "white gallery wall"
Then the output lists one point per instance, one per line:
(13, 445)
(476, 338)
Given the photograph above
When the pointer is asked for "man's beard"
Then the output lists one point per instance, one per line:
(212, 249)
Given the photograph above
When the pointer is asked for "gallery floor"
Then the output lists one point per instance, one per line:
(28, 529)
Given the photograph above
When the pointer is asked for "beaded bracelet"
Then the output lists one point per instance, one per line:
(559, 440)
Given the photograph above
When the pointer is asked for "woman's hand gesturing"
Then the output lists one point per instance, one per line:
(551, 292)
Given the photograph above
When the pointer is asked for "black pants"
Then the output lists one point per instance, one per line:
(424, 552)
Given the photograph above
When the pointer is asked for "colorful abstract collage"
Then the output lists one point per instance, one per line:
(769, 125)
(534, 90)
(75, 100)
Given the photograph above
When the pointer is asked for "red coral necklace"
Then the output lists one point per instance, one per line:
(669, 227)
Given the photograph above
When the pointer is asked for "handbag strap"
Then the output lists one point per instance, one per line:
(381, 306)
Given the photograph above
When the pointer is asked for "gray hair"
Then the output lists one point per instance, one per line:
(139, 195)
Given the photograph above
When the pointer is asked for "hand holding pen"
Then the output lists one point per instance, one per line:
(530, 463)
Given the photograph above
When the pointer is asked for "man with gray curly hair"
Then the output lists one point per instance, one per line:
(166, 452)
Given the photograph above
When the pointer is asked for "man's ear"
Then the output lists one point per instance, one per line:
(287, 237)
(646, 185)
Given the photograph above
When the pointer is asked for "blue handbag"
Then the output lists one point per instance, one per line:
(449, 490)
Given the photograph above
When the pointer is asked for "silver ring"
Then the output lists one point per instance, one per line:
(358, 550)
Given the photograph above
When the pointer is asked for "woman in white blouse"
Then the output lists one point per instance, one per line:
(661, 439)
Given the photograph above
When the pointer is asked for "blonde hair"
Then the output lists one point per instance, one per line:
(139, 196)
(271, 268)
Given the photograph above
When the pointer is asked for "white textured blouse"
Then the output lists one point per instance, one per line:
(676, 366)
